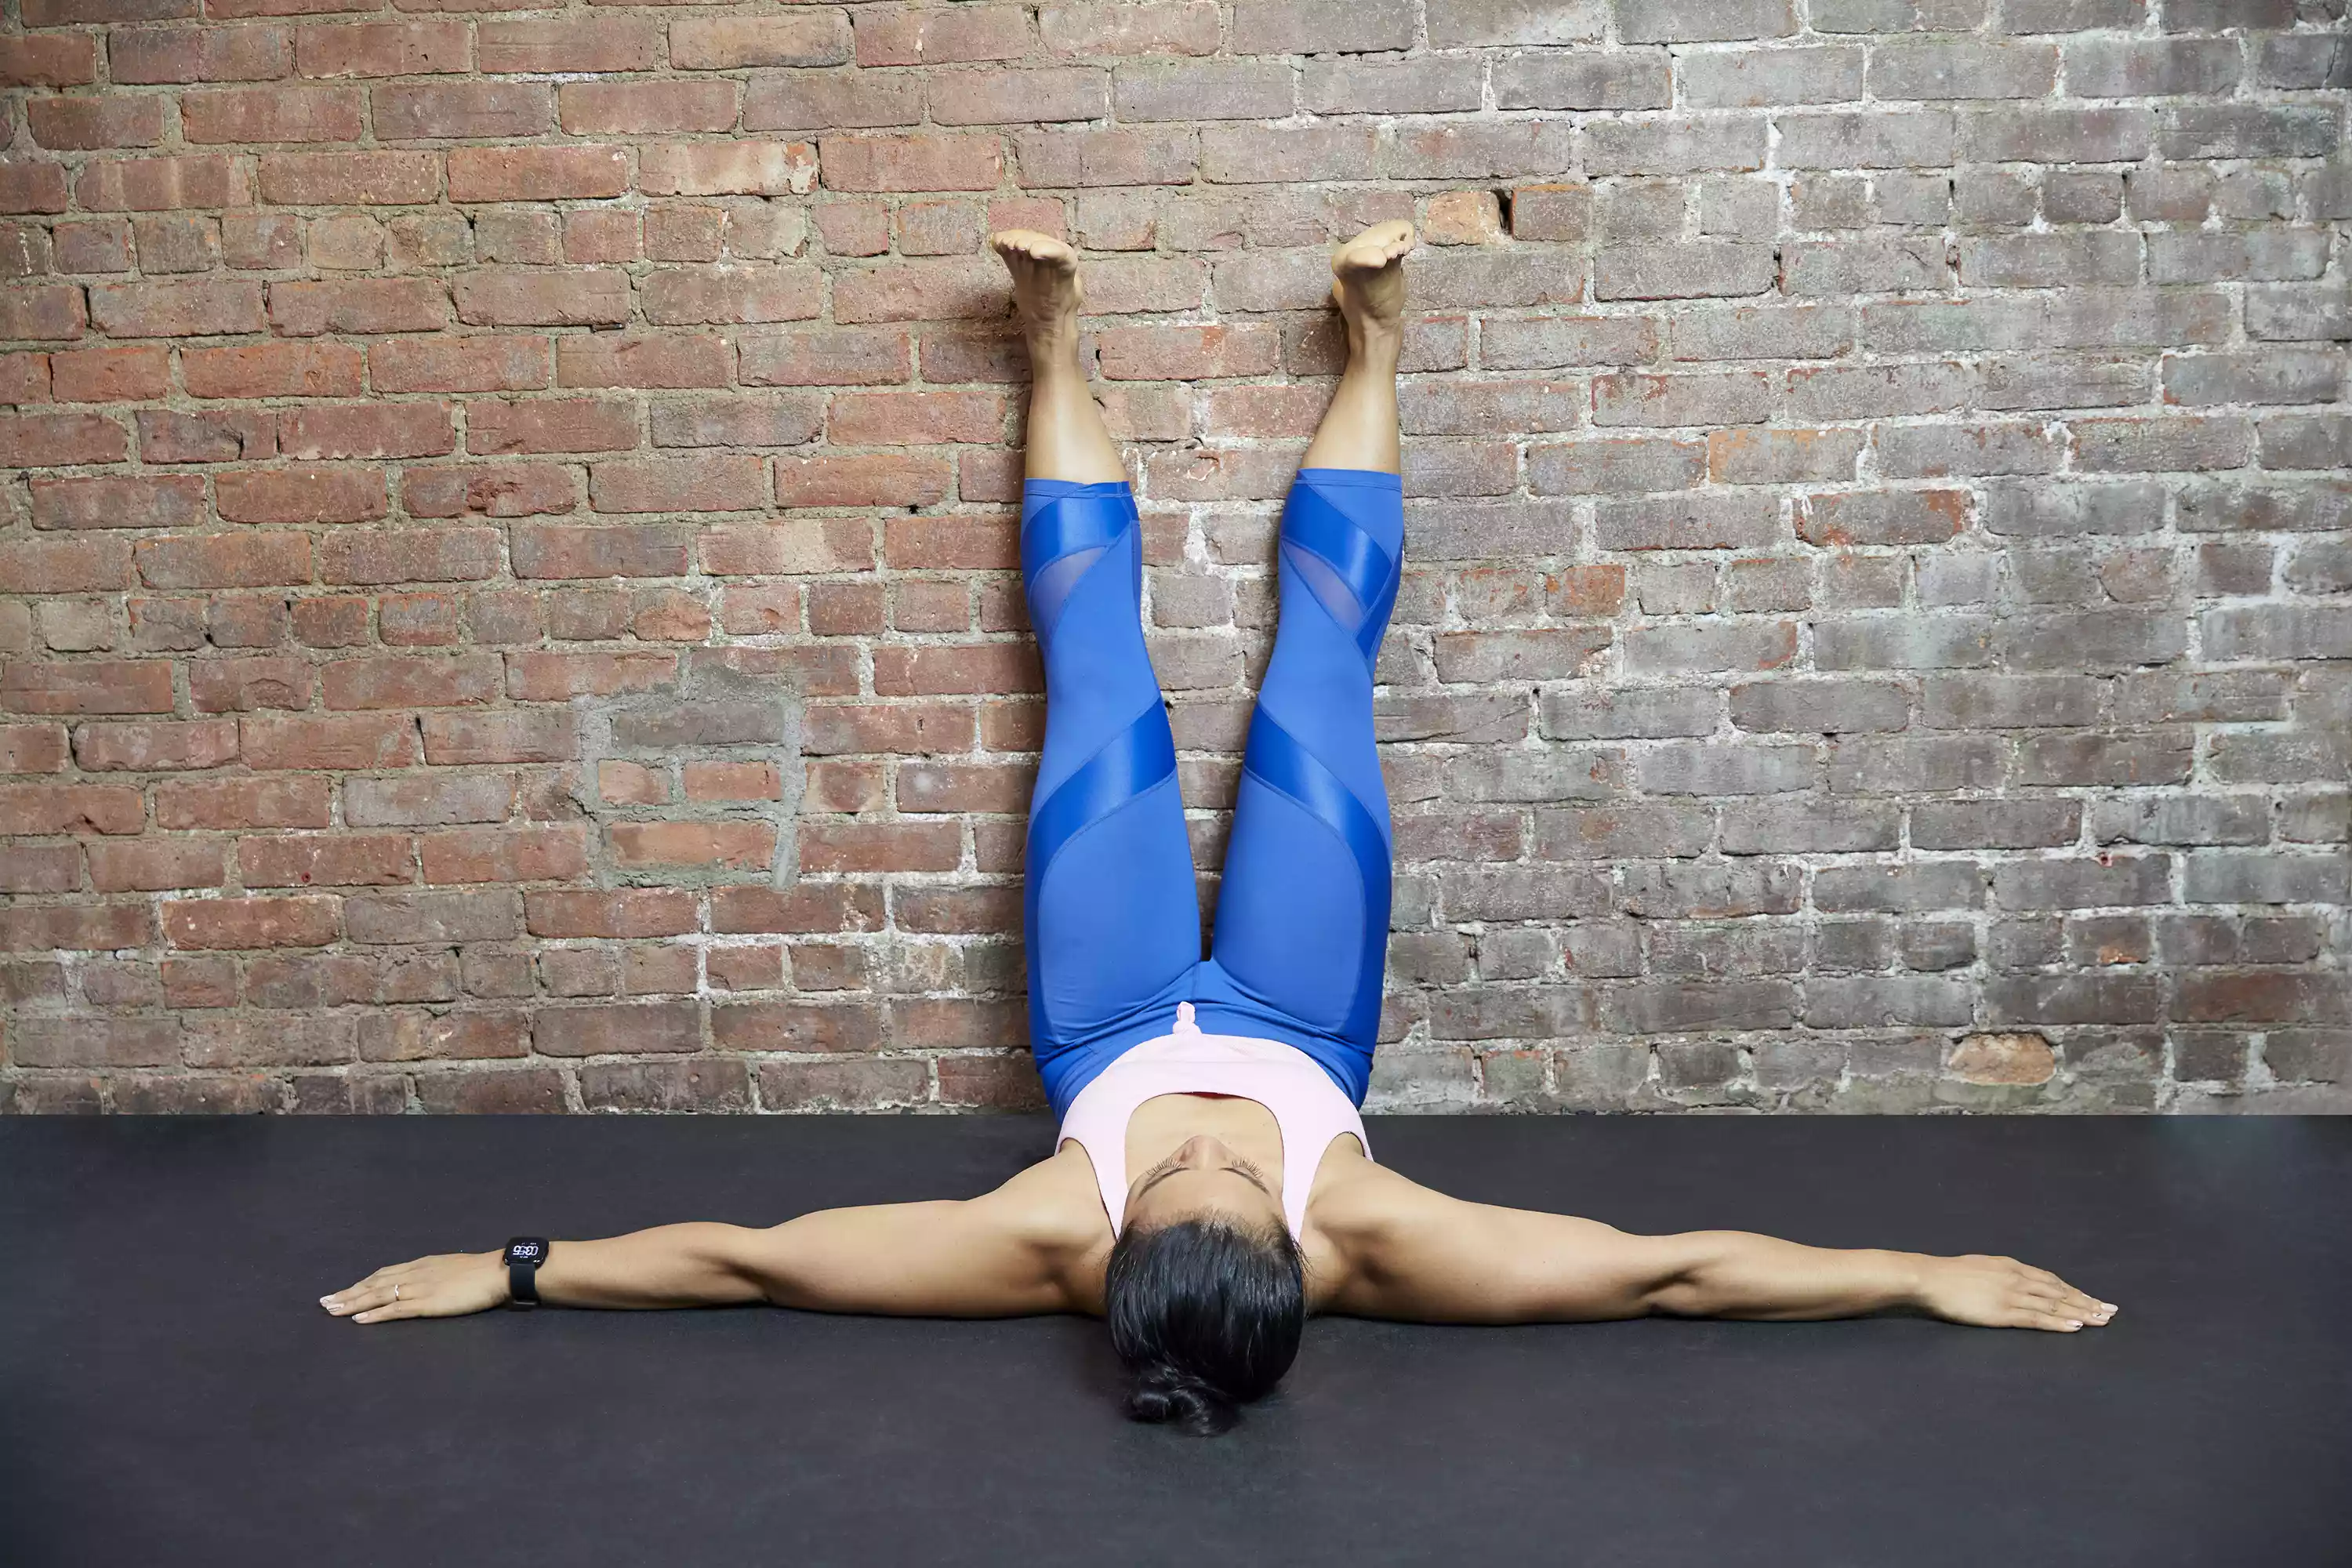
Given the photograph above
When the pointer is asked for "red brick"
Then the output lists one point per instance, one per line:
(951, 541)
(697, 296)
(417, 111)
(381, 48)
(339, 741)
(608, 1028)
(912, 162)
(728, 43)
(305, 310)
(734, 167)
(629, 912)
(70, 808)
(157, 864)
(24, 378)
(288, 802)
(577, 297)
(212, 435)
(427, 1036)
(342, 860)
(76, 927)
(223, 560)
(963, 787)
(163, 184)
(881, 479)
(535, 677)
(916, 418)
(27, 186)
(880, 847)
(32, 749)
(88, 124)
(506, 855)
(197, 54)
(928, 290)
(491, 489)
(811, 907)
(87, 686)
(54, 60)
(274, 370)
(302, 494)
(277, 113)
(797, 1027)
(97, 1042)
(28, 440)
(511, 735)
(537, 173)
(110, 375)
(241, 685)
(394, 681)
(713, 483)
(733, 781)
(994, 1083)
(591, 44)
(552, 425)
(167, 500)
(41, 869)
(666, 359)
(552, 550)
(636, 108)
(50, 313)
(189, 307)
(941, 667)
(742, 846)
(246, 923)
(503, 363)
(366, 430)
(145, 748)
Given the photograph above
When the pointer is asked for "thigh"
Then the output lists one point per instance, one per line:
(1302, 916)
(1110, 913)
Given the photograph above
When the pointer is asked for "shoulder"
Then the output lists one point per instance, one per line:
(1356, 1215)
(1055, 1207)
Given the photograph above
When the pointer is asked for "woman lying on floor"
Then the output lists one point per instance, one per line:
(1212, 1185)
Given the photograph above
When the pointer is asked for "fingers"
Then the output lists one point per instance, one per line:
(377, 1288)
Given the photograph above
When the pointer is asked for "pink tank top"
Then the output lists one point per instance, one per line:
(1309, 1107)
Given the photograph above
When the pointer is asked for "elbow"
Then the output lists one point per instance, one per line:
(1686, 1280)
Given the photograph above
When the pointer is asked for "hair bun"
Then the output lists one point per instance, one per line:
(1169, 1394)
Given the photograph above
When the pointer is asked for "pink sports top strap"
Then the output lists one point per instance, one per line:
(1309, 1108)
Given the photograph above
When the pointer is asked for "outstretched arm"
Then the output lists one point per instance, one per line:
(1006, 1254)
(1414, 1254)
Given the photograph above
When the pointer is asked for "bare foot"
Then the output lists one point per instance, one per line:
(1368, 278)
(1045, 290)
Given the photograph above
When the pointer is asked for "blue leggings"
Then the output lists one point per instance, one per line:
(1111, 915)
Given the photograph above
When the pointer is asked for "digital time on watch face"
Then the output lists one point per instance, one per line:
(530, 1253)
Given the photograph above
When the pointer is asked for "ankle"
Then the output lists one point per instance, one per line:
(1056, 342)
(1375, 346)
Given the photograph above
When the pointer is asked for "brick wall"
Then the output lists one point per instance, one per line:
(511, 577)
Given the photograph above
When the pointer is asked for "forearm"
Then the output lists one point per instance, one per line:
(1736, 1274)
(695, 1265)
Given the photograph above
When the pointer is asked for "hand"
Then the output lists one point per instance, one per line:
(448, 1286)
(2003, 1293)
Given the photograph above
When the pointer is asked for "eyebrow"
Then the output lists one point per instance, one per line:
(1159, 1176)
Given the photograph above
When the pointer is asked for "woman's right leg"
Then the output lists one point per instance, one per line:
(1110, 915)
(1303, 914)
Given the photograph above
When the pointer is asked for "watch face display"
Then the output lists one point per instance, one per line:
(530, 1254)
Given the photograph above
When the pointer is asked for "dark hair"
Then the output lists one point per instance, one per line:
(1206, 1315)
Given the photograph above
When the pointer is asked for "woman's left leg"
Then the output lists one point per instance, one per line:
(1303, 913)
(1110, 913)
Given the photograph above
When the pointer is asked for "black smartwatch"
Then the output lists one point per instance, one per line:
(524, 1255)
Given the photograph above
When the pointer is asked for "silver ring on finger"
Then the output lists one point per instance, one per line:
(395, 1292)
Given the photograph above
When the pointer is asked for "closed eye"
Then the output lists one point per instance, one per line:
(1246, 1172)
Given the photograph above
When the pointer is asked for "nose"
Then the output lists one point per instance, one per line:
(1200, 1149)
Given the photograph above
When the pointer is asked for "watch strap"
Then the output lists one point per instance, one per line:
(524, 1255)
